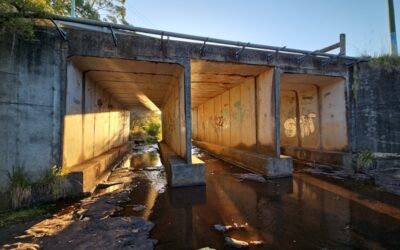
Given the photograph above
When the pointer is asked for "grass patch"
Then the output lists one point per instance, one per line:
(23, 215)
(387, 62)
(22, 191)
(364, 161)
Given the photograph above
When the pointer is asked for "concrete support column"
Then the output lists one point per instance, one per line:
(277, 99)
(188, 110)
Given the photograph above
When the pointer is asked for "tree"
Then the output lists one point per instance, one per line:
(107, 10)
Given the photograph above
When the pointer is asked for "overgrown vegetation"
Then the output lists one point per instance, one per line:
(146, 126)
(387, 62)
(19, 187)
(364, 161)
(153, 131)
(22, 191)
(106, 10)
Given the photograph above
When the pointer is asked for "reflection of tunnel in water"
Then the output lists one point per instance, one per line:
(285, 213)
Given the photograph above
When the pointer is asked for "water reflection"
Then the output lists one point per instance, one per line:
(299, 212)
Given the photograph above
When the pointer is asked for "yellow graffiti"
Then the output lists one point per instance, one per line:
(306, 124)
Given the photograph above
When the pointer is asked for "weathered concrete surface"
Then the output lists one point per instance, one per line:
(85, 176)
(30, 103)
(95, 121)
(268, 166)
(179, 172)
(375, 98)
(335, 158)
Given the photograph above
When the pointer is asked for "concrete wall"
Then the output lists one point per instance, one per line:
(173, 118)
(314, 115)
(240, 118)
(375, 97)
(94, 122)
(30, 111)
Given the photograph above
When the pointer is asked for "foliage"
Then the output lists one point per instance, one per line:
(152, 128)
(19, 186)
(51, 183)
(387, 62)
(146, 126)
(153, 131)
(23, 191)
(106, 10)
(365, 160)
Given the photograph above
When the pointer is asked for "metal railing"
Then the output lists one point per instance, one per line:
(242, 45)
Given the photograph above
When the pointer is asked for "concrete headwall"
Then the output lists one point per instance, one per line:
(30, 103)
(94, 122)
(375, 93)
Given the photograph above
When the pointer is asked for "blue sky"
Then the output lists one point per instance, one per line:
(301, 24)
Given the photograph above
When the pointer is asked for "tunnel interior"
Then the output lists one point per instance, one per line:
(227, 108)
(234, 116)
(101, 93)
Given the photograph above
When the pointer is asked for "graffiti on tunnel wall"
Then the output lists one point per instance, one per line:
(306, 124)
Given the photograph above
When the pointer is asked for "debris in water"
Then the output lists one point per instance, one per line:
(107, 184)
(251, 177)
(236, 243)
(222, 228)
(256, 242)
(138, 208)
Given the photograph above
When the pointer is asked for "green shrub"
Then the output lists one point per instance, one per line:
(365, 160)
(19, 187)
(23, 191)
(51, 185)
(153, 131)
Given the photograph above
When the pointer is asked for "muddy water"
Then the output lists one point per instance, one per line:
(303, 212)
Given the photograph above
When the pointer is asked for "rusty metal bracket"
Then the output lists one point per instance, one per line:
(239, 52)
(329, 60)
(203, 47)
(274, 54)
(301, 58)
(60, 31)
(113, 36)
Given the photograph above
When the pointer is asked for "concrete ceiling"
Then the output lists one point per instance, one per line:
(135, 84)
(210, 79)
(303, 81)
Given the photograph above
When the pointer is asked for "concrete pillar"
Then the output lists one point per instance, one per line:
(188, 115)
(277, 98)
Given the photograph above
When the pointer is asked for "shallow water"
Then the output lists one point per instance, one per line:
(303, 212)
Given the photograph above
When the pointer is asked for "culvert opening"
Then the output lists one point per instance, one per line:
(102, 93)
(313, 118)
(233, 114)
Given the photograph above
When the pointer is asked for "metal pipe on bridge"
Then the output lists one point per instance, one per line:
(195, 38)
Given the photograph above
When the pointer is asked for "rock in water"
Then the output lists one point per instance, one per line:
(236, 243)
(222, 228)
(256, 242)
(251, 177)
(138, 208)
